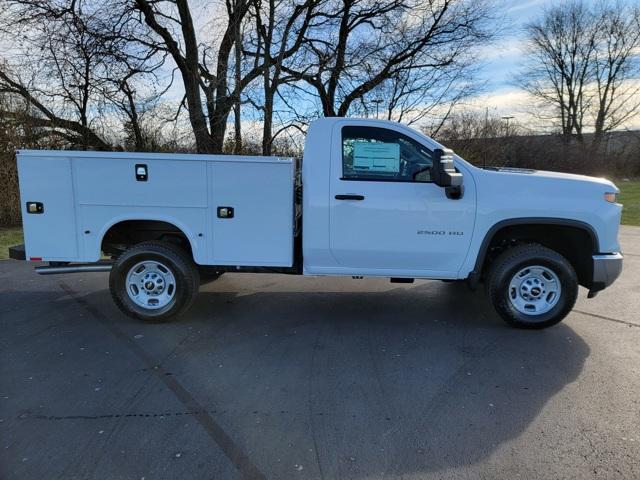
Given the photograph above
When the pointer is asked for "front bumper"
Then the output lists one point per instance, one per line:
(606, 269)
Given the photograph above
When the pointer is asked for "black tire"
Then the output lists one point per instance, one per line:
(185, 272)
(512, 261)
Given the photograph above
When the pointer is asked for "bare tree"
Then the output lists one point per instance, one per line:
(205, 70)
(237, 51)
(425, 96)
(581, 62)
(131, 80)
(119, 44)
(39, 116)
(185, 56)
(616, 66)
(360, 44)
(280, 30)
(104, 57)
(560, 50)
(75, 66)
(58, 74)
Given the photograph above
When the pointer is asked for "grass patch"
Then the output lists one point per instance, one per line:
(9, 236)
(630, 198)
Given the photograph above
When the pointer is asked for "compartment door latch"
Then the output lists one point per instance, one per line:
(35, 207)
(225, 212)
(142, 173)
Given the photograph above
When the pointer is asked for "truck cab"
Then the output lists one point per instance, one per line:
(374, 206)
(371, 198)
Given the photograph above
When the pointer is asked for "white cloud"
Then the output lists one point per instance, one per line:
(501, 49)
(522, 106)
(525, 5)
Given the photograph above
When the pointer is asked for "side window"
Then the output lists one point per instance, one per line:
(372, 153)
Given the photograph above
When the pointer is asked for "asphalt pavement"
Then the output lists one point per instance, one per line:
(288, 377)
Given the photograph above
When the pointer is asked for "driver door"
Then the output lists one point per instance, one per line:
(386, 215)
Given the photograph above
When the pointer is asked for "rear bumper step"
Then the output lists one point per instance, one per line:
(74, 268)
(17, 252)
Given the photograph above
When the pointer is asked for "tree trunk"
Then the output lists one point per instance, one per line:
(267, 125)
(237, 144)
(188, 66)
(204, 141)
(191, 78)
(598, 132)
(219, 123)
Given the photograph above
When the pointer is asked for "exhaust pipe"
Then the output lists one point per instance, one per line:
(74, 268)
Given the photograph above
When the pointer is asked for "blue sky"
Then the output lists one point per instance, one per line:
(502, 59)
(500, 62)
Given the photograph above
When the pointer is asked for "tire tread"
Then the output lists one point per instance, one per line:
(174, 253)
(506, 262)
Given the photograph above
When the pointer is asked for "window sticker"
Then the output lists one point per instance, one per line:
(376, 157)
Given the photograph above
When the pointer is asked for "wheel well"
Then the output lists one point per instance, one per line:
(124, 234)
(575, 243)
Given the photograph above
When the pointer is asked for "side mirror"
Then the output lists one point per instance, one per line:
(444, 173)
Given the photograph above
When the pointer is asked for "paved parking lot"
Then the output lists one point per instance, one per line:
(284, 377)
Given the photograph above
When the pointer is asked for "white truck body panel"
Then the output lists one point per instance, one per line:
(400, 229)
(86, 193)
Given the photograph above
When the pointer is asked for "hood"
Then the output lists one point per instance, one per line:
(552, 176)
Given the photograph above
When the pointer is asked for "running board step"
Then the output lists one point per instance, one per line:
(74, 268)
(401, 280)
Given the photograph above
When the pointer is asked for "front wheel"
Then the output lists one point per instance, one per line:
(532, 286)
(154, 281)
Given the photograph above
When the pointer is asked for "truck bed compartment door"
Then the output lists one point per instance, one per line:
(252, 212)
(49, 234)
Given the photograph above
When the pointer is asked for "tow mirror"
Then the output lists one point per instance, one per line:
(445, 175)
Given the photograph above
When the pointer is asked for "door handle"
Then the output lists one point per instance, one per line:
(349, 197)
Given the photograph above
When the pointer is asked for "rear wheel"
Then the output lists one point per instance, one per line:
(154, 281)
(532, 286)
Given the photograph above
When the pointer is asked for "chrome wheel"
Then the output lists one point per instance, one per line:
(534, 290)
(151, 285)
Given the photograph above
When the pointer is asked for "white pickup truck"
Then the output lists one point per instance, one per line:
(370, 198)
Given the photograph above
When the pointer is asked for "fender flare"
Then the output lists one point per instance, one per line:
(474, 275)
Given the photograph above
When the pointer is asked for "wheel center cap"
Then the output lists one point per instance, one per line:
(535, 291)
(149, 285)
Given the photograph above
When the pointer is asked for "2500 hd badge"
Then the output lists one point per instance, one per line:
(438, 232)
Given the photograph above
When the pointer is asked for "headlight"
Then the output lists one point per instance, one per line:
(611, 197)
